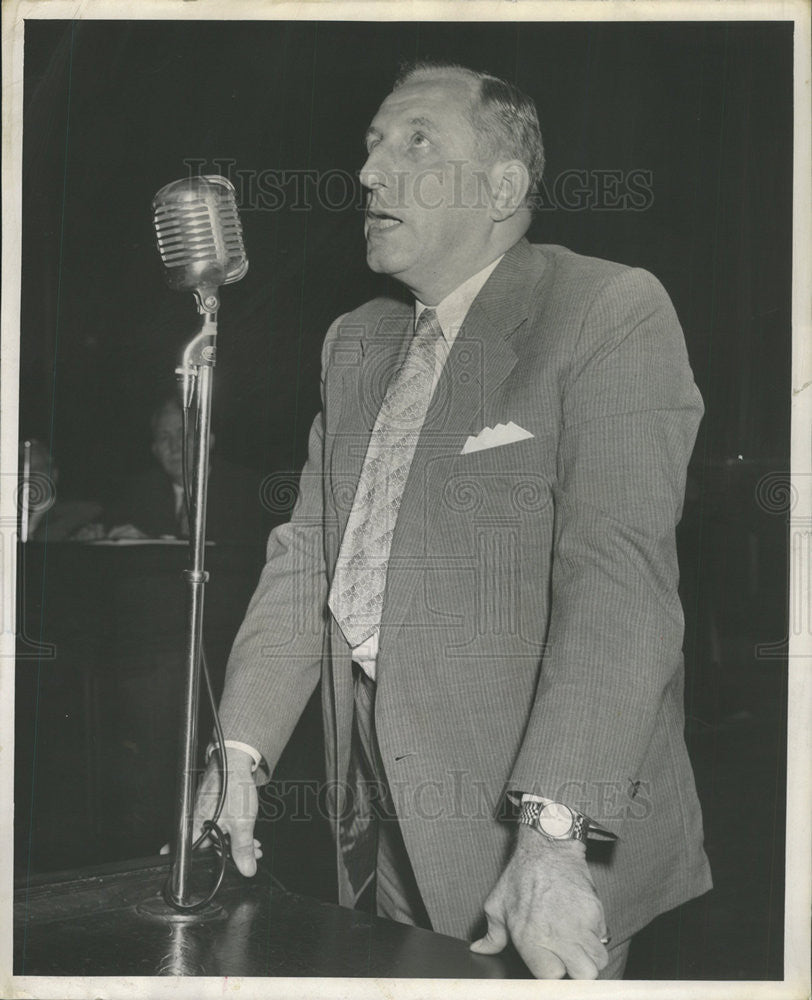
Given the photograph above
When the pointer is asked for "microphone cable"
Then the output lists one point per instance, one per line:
(211, 829)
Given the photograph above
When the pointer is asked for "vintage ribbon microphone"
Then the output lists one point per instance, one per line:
(200, 240)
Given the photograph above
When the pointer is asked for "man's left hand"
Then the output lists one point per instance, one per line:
(545, 903)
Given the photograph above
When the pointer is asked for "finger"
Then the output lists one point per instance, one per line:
(167, 848)
(123, 531)
(596, 952)
(198, 830)
(494, 940)
(603, 929)
(243, 852)
(541, 961)
(205, 807)
(596, 949)
(579, 964)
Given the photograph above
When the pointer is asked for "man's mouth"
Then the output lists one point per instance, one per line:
(381, 221)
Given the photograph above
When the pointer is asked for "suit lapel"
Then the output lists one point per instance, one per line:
(483, 355)
(481, 359)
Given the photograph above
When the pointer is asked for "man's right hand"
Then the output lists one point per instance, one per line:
(239, 810)
(119, 531)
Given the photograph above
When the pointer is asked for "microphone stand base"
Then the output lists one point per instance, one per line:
(157, 908)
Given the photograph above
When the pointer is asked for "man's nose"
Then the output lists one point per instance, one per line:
(373, 174)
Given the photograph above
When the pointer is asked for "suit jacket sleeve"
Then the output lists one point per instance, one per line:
(630, 411)
(276, 658)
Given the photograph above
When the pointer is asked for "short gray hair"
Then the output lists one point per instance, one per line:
(505, 119)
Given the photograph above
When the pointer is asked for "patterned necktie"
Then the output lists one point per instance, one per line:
(356, 596)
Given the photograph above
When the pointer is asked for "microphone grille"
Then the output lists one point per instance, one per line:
(199, 234)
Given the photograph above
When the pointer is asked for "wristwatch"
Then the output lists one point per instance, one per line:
(555, 821)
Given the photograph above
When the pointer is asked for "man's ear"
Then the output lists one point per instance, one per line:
(511, 182)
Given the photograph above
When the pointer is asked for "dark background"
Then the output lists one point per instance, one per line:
(113, 111)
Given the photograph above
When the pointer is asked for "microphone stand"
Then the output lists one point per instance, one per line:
(195, 373)
(197, 227)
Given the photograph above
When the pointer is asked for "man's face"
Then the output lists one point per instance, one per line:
(427, 221)
(167, 443)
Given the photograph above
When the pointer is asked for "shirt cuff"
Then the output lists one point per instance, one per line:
(252, 752)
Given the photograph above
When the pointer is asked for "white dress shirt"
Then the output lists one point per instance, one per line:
(178, 494)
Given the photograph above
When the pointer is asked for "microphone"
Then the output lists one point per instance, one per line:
(199, 236)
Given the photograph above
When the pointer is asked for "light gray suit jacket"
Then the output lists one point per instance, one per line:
(531, 632)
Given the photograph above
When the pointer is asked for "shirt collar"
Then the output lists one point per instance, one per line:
(453, 309)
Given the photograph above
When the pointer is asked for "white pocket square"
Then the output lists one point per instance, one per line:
(493, 437)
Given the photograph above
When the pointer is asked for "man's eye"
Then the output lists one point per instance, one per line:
(418, 139)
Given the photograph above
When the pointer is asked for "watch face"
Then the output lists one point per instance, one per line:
(556, 820)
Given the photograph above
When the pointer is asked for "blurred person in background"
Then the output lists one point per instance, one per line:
(152, 504)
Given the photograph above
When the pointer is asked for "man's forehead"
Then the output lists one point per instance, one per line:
(438, 96)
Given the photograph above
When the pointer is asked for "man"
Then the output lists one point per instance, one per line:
(481, 564)
(152, 505)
